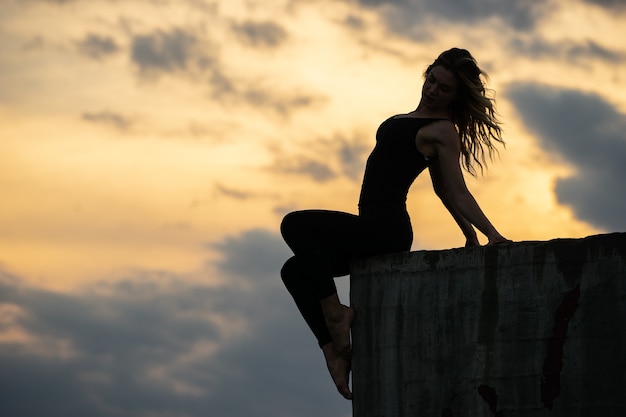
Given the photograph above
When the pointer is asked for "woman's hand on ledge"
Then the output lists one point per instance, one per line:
(496, 240)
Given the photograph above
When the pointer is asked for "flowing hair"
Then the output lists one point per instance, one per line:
(472, 110)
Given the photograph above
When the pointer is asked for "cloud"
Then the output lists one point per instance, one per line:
(570, 51)
(160, 344)
(243, 258)
(183, 53)
(173, 51)
(109, 118)
(260, 34)
(241, 195)
(304, 165)
(586, 131)
(403, 16)
(352, 158)
(35, 43)
(321, 156)
(97, 46)
(282, 103)
(609, 4)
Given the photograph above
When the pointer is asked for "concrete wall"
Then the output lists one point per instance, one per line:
(523, 329)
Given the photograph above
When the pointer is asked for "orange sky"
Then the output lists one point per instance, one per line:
(114, 161)
(151, 147)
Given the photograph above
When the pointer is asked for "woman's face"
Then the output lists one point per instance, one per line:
(439, 89)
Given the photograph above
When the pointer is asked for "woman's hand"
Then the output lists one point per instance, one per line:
(497, 239)
(471, 241)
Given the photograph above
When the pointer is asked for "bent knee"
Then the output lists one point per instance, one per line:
(289, 271)
(289, 225)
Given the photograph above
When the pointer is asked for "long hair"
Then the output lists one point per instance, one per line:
(472, 110)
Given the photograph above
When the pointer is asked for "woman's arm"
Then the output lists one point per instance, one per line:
(448, 180)
(440, 189)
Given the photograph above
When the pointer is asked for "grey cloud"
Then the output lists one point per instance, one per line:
(354, 22)
(35, 43)
(109, 118)
(574, 52)
(223, 86)
(182, 52)
(239, 194)
(97, 46)
(283, 104)
(230, 90)
(315, 169)
(611, 4)
(232, 193)
(260, 34)
(156, 343)
(118, 336)
(349, 154)
(243, 256)
(591, 49)
(352, 159)
(176, 50)
(405, 15)
(586, 131)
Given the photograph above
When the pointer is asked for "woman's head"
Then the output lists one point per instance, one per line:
(470, 109)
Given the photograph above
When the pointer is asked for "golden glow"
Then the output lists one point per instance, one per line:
(85, 198)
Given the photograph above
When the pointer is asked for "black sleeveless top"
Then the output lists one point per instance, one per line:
(393, 165)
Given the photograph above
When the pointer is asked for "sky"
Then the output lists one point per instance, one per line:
(151, 147)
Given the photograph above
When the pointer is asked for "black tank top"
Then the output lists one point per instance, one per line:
(394, 164)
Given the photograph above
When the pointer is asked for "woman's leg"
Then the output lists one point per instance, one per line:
(301, 284)
(324, 243)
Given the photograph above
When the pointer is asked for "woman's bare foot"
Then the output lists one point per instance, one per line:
(339, 368)
(338, 320)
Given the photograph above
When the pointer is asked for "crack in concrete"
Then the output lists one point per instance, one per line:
(551, 379)
(490, 396)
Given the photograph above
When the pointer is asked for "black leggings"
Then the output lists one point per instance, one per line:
(324, 244)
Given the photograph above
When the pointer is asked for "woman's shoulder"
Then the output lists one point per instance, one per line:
(440, 129)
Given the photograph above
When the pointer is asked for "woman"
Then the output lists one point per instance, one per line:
(453, 124)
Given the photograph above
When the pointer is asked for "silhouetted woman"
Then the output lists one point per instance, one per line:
(453, 125)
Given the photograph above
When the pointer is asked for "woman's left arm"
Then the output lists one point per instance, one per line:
(448, 169)
(441, 190)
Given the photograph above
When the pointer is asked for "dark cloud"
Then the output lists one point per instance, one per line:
(610, 4)
(158, 344)
(242, 195)
(109, 118)
(406, 15)
(232, 193)
(317, 162)
(586, 131)
(35, 43)
(174, 51)
(354, 22)
(352, 158)
(243, 257)
(184, 53)
(97, 46)
(260, 34)
(573, 52)
(281, 103)
(319, 171)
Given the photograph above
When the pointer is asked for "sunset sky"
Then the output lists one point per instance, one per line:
(151, 147)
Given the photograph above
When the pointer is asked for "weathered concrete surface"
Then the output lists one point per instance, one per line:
(523, 329)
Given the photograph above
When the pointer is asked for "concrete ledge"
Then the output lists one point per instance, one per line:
(523, 329)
